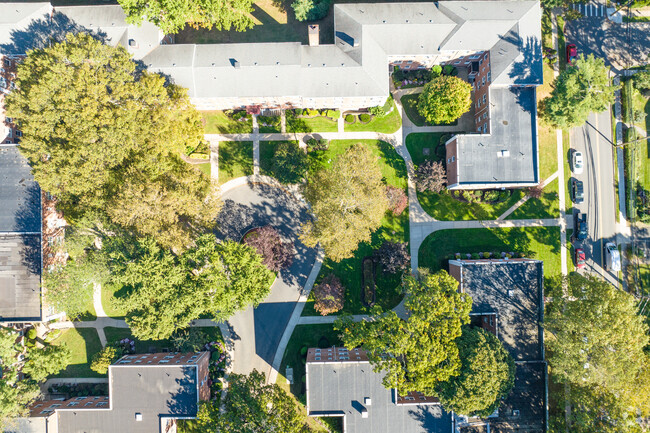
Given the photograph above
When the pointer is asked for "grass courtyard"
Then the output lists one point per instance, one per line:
(235, 159)
(387, 124)
(393, 228)
(83, 343)
(216, 122)
(542, 243)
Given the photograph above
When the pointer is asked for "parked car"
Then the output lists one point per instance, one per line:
(577, 162)
(612, 257)
(577, 191)
(581, 230)
(571, 53)
(581, 259)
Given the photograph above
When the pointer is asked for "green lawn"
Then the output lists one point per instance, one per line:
(206, 168)
(107, 303)
(320, 124)
(387, 124)
(444, 207)
(273, 126)
(394, 228)
(546, 136)
(235, 159)
(114, 335)
(415, 143)
(216, 122)
(544, 242)
(84, 344)
(305, 336)
(547, 206)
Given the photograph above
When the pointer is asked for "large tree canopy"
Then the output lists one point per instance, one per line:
(486, 376)
(445, 99)
(580, 89)
(348, 201)
(597, 337)
(101, 135)
(419, 353)
(165, 292)
(251, 406)
(16, 395)
(172, 15)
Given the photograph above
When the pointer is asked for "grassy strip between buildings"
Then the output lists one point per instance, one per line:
(216, 122)
(541, 243)
(235, 159)
(83, 343)
(387, 124)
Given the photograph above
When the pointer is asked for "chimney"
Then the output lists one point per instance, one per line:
(314, 35)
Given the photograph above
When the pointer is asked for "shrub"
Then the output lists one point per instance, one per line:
(491, 195)
(444, 100)
(377, 111)
(329, 295)
(365, 118)
(398, 74)
(393, 256)
(475, 256)
(103, 359)
(31, 334)
(290, 163)
(641, 80)
(436, 71)
(310, 9)
(298, 111)
(317, 144)
(447, 69)
(268, 243)
(303, 351)
(535, 191)
(397, 199)
(350, 118)
(312, 112)
(334, 114)
(323, 343)
(431, 176)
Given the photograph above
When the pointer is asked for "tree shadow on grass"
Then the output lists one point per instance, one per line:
(235, 156)
(392, 159)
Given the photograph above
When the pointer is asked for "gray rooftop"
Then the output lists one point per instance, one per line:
(156, 392)
(513, 129)
(512, 289)
(340, 389)
(19, 193)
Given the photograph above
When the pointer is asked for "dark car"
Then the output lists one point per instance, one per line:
(577, 191)
(581, 259)
(581, 231)
(571, 53)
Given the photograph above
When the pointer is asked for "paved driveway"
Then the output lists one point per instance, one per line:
(257, 331)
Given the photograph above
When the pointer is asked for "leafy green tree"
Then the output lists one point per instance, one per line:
(172, 16)
(348, 201)
(165, 292)
(70, 287)
(101, 136)
(580, 89)
(420, 352)
(103, 359)
(596, 336)
(290, 163)
(444, 99)
(251, 406)
(15, 398)
(310, 9)
(641, 81)
(46, 361)
(486, 376)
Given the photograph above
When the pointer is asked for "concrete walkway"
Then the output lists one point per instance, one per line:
(256, 146)
(525, 198)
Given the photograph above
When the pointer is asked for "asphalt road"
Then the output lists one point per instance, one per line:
(594, 140)
(257, 331)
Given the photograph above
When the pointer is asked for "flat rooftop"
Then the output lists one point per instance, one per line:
(340, 389)
(509, 153)
(513, 290)
(20, 195)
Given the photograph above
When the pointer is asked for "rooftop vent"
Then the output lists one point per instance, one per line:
(364, 413)
(133, 43)
(511, 293)
(235, 63)
(138, 416)
(503, 154)
(367, 401)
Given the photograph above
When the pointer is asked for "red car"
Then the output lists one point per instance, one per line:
(581, 260)
(571, 53)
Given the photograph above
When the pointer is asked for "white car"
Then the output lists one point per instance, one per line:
(578, 162)
(612, 257)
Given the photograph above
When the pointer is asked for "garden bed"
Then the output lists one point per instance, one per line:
(269, 124)
(368, 282)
